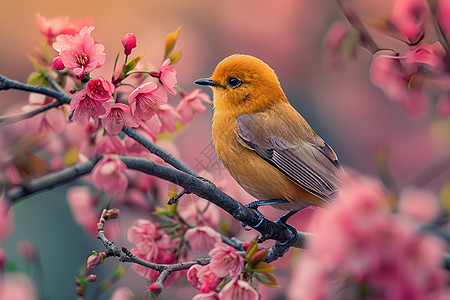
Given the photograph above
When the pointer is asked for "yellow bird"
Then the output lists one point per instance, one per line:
(265, 144)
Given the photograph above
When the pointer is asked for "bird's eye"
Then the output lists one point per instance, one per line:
(234, 82)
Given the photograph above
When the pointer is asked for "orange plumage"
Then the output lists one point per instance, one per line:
(265, 144)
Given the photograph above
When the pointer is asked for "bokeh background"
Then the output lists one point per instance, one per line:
(341, 104)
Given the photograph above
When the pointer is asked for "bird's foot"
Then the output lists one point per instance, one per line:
(283, 222)
(254, 206)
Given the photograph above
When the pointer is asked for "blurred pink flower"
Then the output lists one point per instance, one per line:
(386, 73)
(82, 205)
(85, 107)
(202, 238)
(2, 259)
(238, 289)
(192, 103)
(143, 234)
(145, 99)
(108, 174)
(6, 219)
(16, 286)
(167, 75)
(358, 241)
(117, 116)
(225, 260)
(51, 28)
(442, 15)
(168, 117)
(129, 43)
(443, 106)
(333, 41)
(420, 204)
(80, 52)
(206, 296)
(199, 212)
(53, 119)
(415, 103)
(26, 249)
(110, 144)
(408, 16)
(122, 293)
(100, 89)
(429, 55)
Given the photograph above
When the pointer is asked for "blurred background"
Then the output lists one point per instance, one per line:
(341, 104)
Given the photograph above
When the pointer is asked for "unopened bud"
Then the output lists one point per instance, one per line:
(95, 259)
(91, 278)
(58, 64)
(26, 249)
(129, 42)
(155, 288)
(114, 213)
(246, 245)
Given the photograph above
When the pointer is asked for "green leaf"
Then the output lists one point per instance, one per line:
(161, 211)
(130, 65)
(262, 267)
(175, 57)
(251, 250)
(171, 40)
(267, 279)
(36, 78)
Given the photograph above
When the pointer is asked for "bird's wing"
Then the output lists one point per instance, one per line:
(306, 160)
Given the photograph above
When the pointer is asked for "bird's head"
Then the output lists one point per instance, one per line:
(243, 84)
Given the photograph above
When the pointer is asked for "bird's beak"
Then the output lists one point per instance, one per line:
(207, 81)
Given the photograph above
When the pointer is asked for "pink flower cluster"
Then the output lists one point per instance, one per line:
(79, 52)
(225, 263)
(51, 28)
(108, 174)
(360, 244)
(152, 244)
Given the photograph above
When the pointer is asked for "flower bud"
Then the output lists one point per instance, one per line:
(129, 42)
(155, 288)
(26, 249)
(58, 64)
(246, 245)
(91, 278)
(95, 259)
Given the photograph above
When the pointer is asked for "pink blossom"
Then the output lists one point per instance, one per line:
(53, 119)
(238, 289)
(168, 117)
(203, 278)
(192, 103)
(26, 249)
(110, 144)
(167, 75)
(333, 40)
(82, 205)
(442, 13)
(108, 174)
(143, 234)
(122, 293)
(419, 203)
(206, 296)
(443, 106)
(6, 219)
(198, 211)
(2, 259)
(16, 286)
(155, 288)
(57, 63)
(202, 238)
(360, 240)
(225, 260)
(95, 259)
(408, 16)
(80, 52)
(429, 55)
(51, 28)
(415, 103)
(100, 89)
(129, 42)
(117, 116)
(85, 107)
(145, 99)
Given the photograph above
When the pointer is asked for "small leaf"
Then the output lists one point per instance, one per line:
(259, 256)
(262, 267)
(130, 65)
(175, 57)
(445, 197)
(171, 40)
(118, 271)
(71, 156)
(251, 250)
(267, 279)
(36, 78)
(161, 211)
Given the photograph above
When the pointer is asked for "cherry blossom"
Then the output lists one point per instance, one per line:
(192, 103)
(85, 107)
(52, 119)
(167, 75)
(108, 174)
(117, 116)
(225, 260)
(168, 117)
(145, 99)
(202, 238)
(238, 289)
(100, 89)
(129, 43)
(51, 28)
(82, 205)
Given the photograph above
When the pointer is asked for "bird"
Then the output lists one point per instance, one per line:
(264, 143)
